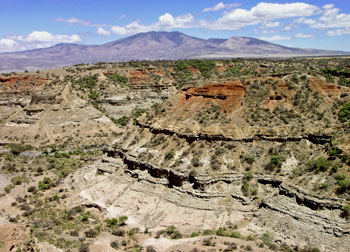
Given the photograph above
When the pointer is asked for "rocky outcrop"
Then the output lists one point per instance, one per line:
(315, 139)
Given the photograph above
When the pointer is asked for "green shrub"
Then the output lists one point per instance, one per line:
(223, 232)
(173, 232)
(248, 176)
(340, 176)
(194, 234)
(344, 185)
(346, 212)
(122, 220)
(344, 113)
(235, 234)
(123, 121)
(86, 82)
(249, 158)
(245, 188)
(136, 114)
(112, 222)
(120, 79)
(45, 184)
(208, 232)
(170, 155)
(275, 162)
(16, 149)
(85, 218)
(323, 186)
(266, 238)
(320, 164)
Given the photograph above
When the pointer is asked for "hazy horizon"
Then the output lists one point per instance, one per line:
(307, 24)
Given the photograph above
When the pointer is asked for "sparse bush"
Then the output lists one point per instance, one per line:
(85, 218)
(275, 162)
(208, 232)
(248, 248)
(112, 222)
(16, 149)
(223, 232)
(122, 220)
(344, 113)
(91, 233)
(150, 249)
(45, 184)
(248, 158)
(346, 212)
(235, 234)
(115, 244)
(266, 238)
(323, 186)
(320, 164)
(194, 234)
(195, 162)
(118, 232)
(208, 242)
(173, 232)
(74, 233)
(120, 79)
(123, 121)
(170, 155)
(84, 248)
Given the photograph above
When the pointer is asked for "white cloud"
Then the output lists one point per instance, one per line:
(221, 6)
(276, 38)
(73, 21)
(270, 24)
(306, 21)
(267, 15)
(264, 12)
(338, 32)
(7, 43)
(46, 37)
(36, 39)
(165, 22)
(103, 32)
(217, 7)
(330, 18)
(328, 6)
(290, 26)
(303, 35)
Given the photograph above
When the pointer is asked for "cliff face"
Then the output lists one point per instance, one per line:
(256, 147)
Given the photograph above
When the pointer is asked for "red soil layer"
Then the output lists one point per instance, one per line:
(194, 70)
(228, 96)
(220, 69)
(327, 89)
(21, 83)
(143, 75)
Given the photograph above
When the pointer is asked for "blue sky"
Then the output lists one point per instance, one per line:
(306, 24)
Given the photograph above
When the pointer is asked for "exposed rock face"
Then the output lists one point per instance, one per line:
(230, 162)
(262, 154)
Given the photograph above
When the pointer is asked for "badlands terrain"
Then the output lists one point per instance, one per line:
(189, 155)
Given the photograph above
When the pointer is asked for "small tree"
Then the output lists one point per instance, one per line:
(346, 212)
(122, 220)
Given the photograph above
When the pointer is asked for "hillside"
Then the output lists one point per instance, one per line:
(150, 46)
(187, 155)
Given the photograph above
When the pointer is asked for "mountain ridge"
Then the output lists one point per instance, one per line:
(151, 46)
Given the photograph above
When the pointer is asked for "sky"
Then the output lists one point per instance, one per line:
(33, 24)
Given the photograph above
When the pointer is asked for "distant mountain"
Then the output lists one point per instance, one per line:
(150, 46)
